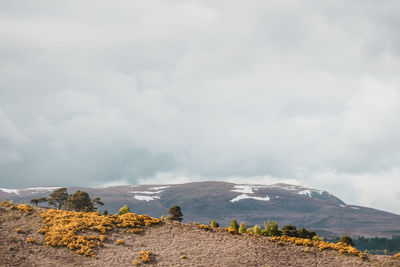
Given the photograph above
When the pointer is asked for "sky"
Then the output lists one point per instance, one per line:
(133, 92)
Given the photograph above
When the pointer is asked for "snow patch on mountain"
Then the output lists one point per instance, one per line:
(245, 196)
(28, 189)
(144, 195)
(298, 189)
(146, 198)
(10, 191)
(146, 192)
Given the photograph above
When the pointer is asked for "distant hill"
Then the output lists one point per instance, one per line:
(254, 204)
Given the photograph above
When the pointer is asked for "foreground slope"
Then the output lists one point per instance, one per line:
(254, 204)
(169, 242)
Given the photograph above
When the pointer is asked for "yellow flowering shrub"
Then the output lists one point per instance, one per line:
(66, 228)
(320, 245)
(30, 240)
(25, 208)
(120, 241)
(18, 230)
(231, 230)
(145, 255)
(397, 256)
(204, 227)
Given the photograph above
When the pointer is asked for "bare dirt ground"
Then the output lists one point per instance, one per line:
(169, 242)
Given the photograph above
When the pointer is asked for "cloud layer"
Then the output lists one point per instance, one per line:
(160, 91)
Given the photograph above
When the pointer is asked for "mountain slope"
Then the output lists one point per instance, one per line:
(254, 204)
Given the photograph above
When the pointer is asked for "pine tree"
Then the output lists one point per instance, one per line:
(176, 213)
(58, 198)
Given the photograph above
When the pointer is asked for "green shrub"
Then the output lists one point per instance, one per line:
(124, 209)
(242, 228)
(289, 230)
(214, 224)
(257, 229)
(271, 229)
(317, 238)
(234, 224)
(347, 240)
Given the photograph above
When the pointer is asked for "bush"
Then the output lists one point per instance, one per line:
(176, 213)
(271, 229)
(289, 230)
(347, 240)
(303, 233)
(124, 209)
(234, 224)
(317, 238)
(214, 224)
(242, 228)
(257, 229)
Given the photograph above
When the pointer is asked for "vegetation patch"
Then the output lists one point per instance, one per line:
(68, 228)
(341, 247)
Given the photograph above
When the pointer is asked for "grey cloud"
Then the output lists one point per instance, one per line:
(125, 91)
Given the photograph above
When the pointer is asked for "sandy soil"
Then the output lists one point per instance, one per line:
(169, 242)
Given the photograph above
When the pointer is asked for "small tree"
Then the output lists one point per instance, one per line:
(234, 224)
(214, 224)
(242, 228)
(124, 209)
(58, 198)
(257, 229)
(271, 229)
(289, 230)
(80, 201)
(176, 213)
(36, 201)
(347, 240)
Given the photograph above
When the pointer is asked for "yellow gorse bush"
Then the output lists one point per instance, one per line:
(30, 240)
(145, 255)
(25, 208)
(320, 245)
(66, 228)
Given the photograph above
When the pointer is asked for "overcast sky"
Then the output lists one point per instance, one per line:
(125, 92)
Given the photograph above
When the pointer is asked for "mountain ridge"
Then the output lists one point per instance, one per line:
(251, 203)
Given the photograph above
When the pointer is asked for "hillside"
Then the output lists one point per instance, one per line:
(254, 204)
(168, 241)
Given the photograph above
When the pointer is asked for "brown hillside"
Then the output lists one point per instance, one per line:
(169, 242)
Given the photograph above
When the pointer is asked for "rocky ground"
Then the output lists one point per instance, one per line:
(172, 244)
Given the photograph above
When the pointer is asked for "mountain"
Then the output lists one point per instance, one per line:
(253, 204)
